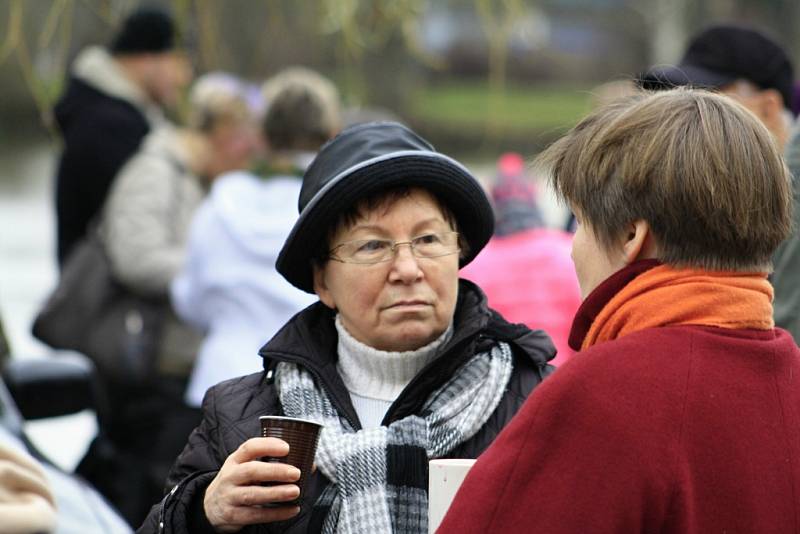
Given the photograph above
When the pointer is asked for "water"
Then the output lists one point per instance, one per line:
(28, 273)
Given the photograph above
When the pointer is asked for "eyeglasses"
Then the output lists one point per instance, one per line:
(369, 251)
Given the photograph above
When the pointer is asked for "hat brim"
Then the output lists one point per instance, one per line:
(667, 77)
(450, 181)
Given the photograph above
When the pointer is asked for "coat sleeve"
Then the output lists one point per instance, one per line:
(180, 511)
(566, 463)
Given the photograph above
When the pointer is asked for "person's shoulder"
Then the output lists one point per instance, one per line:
(234, 387)
(616, 388)
(634, 354)
(95, 105)
(615, 380)
(533, 346)
(95, 118)
(236, 185)
(243, 397)
(159, 154)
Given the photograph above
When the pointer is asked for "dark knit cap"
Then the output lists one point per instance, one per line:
(146, 30)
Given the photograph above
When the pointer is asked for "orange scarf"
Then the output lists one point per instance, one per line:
(665, 296)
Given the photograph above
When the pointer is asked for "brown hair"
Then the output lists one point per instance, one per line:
(698, 167)
(217, 98)
(303, 110)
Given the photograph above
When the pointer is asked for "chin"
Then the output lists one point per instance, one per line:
(411, 338)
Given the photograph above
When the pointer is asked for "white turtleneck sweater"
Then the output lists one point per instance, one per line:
(374, 377)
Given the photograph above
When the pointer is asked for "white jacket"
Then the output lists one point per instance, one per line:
(229, 286)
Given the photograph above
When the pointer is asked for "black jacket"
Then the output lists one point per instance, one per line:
(100, 133)
(231, 408)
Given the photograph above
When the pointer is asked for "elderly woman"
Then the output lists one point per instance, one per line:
(401, 360)
(681, 412)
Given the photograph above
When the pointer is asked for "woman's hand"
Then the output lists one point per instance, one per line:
(233, 499)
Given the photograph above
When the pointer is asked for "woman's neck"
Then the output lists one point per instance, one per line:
(378, 374)
(285, 163)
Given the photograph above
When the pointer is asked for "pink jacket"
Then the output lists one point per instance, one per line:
(529, 278)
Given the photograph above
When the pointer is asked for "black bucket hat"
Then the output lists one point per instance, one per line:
(368, 158)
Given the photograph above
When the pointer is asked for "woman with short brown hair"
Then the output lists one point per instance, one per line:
(672, 159)
(681, 412)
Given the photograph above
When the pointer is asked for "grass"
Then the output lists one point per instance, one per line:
(518, 109)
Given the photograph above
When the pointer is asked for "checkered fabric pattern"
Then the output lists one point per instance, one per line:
(380, 475)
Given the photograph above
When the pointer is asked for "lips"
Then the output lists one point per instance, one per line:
(408, 304)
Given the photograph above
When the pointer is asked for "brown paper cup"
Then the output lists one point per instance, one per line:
(302, 437)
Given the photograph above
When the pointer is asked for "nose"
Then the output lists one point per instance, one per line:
(405, 266)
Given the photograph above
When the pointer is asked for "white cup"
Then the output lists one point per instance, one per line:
(444, 478)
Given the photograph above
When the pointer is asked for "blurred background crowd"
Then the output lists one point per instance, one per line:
(490, 82)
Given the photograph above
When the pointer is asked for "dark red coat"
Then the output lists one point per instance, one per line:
(684, 429)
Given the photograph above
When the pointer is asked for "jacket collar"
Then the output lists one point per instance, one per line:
(97, 68)
(599, 297)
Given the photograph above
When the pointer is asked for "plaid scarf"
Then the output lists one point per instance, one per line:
(380, 475)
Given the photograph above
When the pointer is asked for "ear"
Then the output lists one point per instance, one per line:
(321, 288)
(770, 103)
(638, 242)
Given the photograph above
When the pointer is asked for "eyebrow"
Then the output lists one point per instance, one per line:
(381, 230)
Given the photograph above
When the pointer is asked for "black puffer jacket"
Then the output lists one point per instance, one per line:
(231, 409)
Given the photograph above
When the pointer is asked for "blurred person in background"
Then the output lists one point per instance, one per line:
(786, 277)
(680, 412)
(113, 98)
(399, 359)
(525, 269)
(144, 230)
(741, 62)
(229, 287)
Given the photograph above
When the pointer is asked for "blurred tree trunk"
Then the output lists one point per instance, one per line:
(667, 20)
(498, 19)
(720, 10)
